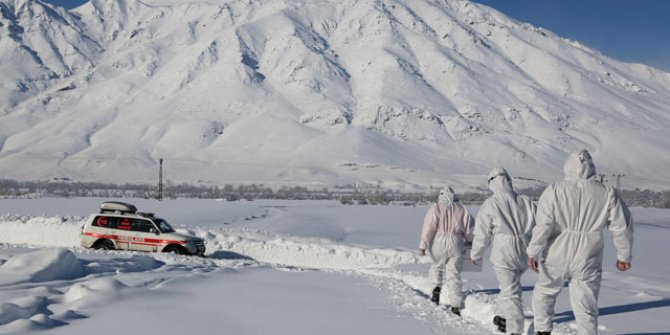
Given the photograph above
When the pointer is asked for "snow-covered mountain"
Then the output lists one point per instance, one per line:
(315, 92)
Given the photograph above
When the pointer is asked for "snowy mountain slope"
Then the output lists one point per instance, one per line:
(321, 92)
(40, 44)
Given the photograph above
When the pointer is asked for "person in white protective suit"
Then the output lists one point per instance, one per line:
(446, 228)
(505, 220)
(567, 242)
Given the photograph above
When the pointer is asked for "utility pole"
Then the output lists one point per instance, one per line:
(602, 178)
(618, 181)
(160, 179)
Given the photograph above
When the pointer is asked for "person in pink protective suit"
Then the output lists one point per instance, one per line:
(567, 243)
(446, 228)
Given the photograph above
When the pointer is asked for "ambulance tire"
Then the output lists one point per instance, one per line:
(175, 249)
(104, 245)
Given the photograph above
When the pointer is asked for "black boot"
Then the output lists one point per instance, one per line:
(436, 295)
(542, 333)
(456, 311)
(500, 322)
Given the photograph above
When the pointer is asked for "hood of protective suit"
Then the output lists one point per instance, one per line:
(500, 181)
(579, 165)
(447, 196)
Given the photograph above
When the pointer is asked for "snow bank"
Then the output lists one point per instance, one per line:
(260, 246)
(25, 308)
(93, 293)
(67, 285)
(40, 266)
(305, 253)
(28, 313)
(58, 231)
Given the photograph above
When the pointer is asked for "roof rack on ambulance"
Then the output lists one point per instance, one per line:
(117, 207)
(146, 215)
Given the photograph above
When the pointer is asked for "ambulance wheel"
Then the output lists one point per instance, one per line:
(175, 249)
(104, 245)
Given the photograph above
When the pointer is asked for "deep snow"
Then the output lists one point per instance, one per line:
(278, 267)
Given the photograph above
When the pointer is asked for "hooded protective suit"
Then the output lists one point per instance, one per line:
(508, 219)
(446, 227)
(571, 216)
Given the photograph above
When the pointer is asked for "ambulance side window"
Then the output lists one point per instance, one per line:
(101, 221)
(113, 222)
(143, 225)
(105, 221)
(123, 223)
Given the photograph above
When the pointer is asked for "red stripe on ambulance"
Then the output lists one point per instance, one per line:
(135, 240)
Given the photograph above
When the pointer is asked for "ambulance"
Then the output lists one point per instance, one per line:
(119, 226)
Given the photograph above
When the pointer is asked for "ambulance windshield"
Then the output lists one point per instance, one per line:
(164, 226)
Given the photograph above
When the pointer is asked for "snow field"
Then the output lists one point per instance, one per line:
(295, 265)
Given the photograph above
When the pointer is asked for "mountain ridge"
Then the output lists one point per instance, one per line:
(394, 93)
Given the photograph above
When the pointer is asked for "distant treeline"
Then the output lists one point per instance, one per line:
(348, 194)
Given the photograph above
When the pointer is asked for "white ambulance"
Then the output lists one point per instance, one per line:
(119, 226)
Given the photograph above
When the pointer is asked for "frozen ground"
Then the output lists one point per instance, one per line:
(278, 267)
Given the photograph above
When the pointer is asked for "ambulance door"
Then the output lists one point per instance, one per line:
(144, 235)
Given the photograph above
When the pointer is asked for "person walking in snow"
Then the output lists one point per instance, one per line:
(567, 242)
(505, 220)
(446, 228)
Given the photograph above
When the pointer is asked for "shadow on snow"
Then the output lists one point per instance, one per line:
(229, 255)
(569, 316)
